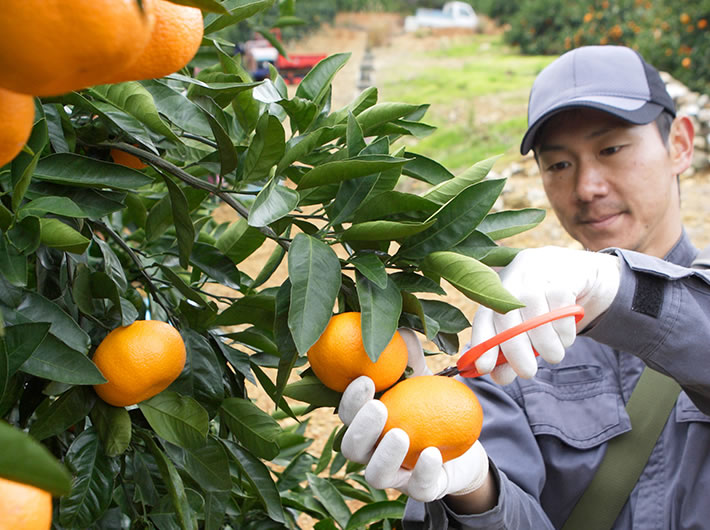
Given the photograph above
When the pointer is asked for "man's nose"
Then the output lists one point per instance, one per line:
(591, 182)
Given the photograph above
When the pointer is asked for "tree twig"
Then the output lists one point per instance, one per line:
(184, 176)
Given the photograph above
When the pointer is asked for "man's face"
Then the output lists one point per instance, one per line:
(610, 183)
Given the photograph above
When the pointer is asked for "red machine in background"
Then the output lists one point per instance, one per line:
(259, 53)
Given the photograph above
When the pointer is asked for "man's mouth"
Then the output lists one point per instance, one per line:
(600, 221)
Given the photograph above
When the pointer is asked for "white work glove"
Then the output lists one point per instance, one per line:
(545, 279)
(431, 479)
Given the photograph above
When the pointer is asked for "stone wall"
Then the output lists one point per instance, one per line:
(697, 107)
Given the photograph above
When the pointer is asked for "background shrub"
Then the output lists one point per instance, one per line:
(673, 36)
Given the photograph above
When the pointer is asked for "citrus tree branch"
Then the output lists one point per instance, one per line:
(190, 180)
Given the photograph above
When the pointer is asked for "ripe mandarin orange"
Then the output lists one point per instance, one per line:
(139, 361)
(18, 114)
(338, 356)
(127, 159)
(24, 507)
(49, 47)
(175, 39)
(435, 411)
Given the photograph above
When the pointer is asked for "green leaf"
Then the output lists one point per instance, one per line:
(326, 453)
(414, 283)
(446, 190)
(310, 390)
(92, 487)
(376, 511)
(133, 99)
(299, 147)
(238, 10)
(175, 485)
(259, 477)
(23, 459)
(372, 268)
(475, 280)
(56, 205)
(316, 82)
(202, 376)
(56, 234)
(257, 309)
(211, 6)
(450, 318)
(93, 202)
(330, 498)
(25, 235)
(215, 264)
(24, 164)
(389, 203)
(207, 465)
(240, 240)
(178, 419)
(56, 361)
(218, 123)
(266, 148)
(314, 271)
(273, 202)
(256, 430)
(113, 425)
(382, 113)
(70, 408)
(500, 225)
(481, 247)
(177, 108)
(333, 172)
(13, 265)
(425, 169)
(20, 342)
(455, 220)
(384, 230)
(78, 170)
(354, 138)
(37, 308)
(379, 314)
(184, 228)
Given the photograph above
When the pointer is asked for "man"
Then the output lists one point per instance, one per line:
(609, 149)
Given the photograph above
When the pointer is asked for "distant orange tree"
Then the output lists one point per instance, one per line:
(673, 36)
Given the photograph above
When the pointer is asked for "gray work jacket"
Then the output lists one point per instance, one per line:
(546, 436)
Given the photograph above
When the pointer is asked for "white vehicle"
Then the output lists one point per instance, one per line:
(453, 15)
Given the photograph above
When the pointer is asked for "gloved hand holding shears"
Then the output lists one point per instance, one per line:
(544, 279)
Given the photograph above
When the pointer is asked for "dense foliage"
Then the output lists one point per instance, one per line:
(88, 245)
(672, 35)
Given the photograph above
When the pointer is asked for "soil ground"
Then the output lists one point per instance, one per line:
(391, 46)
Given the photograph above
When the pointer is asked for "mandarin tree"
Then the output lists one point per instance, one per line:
(319, 197)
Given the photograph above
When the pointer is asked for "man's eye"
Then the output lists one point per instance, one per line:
(558, 166)
(610, 150)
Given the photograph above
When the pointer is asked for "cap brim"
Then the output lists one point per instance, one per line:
(646, 113)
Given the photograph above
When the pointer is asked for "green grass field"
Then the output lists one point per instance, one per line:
(477, 87)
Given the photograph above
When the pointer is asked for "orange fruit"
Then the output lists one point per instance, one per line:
(18, 114)
(24, 507)
(175, 39)
(338, 356)
(127, 159)
(434, 411)
(139, 361)
(49, 47)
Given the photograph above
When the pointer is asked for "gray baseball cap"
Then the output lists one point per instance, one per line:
(614, 79)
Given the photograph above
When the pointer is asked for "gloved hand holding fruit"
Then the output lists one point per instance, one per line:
(421, 436)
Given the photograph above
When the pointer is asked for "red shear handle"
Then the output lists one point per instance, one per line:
(467, 362)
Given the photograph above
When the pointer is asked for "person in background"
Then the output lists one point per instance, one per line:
(610, 150)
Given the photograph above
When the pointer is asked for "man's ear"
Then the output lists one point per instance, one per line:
(680, 143)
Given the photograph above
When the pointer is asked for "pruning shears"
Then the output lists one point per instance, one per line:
(466, 365)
